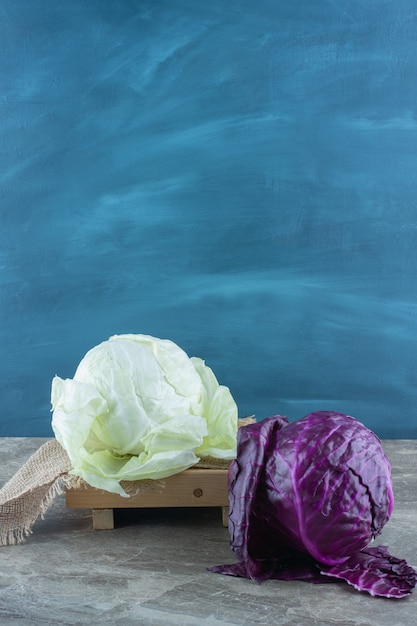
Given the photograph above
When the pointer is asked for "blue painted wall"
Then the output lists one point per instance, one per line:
(239, 177)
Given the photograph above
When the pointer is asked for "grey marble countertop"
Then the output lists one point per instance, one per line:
(152, 568)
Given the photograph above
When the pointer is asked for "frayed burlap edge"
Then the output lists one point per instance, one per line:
(32, 490)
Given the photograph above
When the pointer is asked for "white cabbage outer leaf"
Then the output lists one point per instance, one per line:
(138, 407)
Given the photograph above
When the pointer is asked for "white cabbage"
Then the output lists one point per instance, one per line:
(138, 407)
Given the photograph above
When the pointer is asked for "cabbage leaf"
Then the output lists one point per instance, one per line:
(306, 498)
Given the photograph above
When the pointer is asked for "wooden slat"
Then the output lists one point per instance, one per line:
(191, 488)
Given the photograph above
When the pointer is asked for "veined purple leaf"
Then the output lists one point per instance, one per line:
(376, 571)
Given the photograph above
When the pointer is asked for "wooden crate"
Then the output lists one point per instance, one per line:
(191, 488)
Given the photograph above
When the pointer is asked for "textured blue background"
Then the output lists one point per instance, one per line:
(239, 177)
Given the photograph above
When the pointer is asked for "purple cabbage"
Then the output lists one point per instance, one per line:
(306, 498)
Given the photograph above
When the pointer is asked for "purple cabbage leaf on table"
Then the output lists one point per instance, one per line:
(306, 499)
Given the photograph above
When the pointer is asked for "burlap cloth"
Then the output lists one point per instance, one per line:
(30, 492)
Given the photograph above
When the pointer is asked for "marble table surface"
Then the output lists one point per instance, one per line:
(152, 568)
